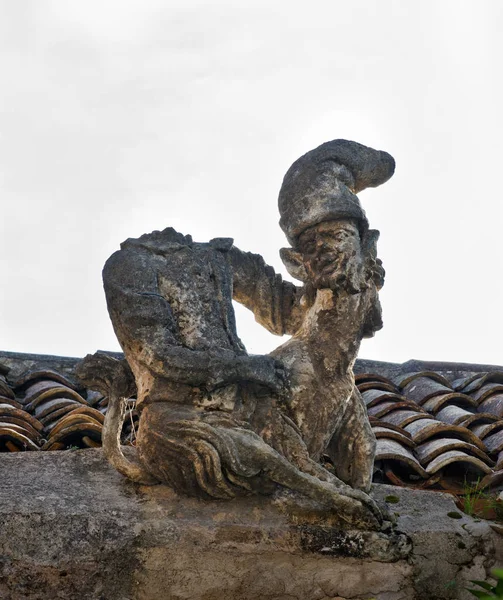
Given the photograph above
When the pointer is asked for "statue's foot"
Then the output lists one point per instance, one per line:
(364, 501)
(358, 508)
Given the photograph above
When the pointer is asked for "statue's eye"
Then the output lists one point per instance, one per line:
(308, 244)
(340, 235)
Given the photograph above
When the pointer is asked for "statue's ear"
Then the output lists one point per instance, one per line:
(369, 243)
(293, 263)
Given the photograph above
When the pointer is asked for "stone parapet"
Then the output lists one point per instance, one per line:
(73, 528)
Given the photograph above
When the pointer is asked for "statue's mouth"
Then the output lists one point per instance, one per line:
(329, 263)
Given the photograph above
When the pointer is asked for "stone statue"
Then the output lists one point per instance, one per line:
(216, 422)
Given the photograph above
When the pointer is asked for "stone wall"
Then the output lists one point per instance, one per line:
(73, 528)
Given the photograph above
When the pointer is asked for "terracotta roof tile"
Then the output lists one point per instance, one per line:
(383, 408)
(363, 378)
(494, 442)
(423, 388)
(477, 381)
(5, 390)
(456, 456)
(52, 417)
(378, 385)
(11, 402)
(372, 397)
(31, 377)
(481, 431)
(393, 434)
(436, 403)
(493, 405)
(405, 418)
(402, 381)
(44, 390)
(392, 450)
(15, 436)
(430, 450)
(455, 415)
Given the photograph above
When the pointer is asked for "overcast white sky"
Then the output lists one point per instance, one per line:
(118, 117)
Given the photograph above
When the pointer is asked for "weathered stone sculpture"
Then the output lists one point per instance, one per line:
(216, 422)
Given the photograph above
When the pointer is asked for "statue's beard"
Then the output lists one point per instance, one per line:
(338, 272)
(373, 322)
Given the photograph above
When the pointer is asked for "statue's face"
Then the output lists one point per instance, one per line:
(331, 253)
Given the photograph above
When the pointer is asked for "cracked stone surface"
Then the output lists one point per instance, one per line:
(72, 528)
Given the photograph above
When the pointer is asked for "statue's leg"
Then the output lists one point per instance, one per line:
(179, 449)
(281, 433)
(211, 455)
(353, 506)
(352, 447)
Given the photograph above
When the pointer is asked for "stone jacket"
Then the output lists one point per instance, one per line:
(170, 302)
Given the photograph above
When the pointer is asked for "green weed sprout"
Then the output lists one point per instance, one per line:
(488, 591)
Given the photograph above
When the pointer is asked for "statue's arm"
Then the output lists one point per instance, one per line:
(274, 302)
(146, 328)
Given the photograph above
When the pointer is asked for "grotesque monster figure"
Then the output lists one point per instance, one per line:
(216, 422)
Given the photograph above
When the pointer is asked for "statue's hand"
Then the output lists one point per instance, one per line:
(264, 371)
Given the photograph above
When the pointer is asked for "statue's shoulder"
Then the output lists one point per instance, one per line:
(149, 250)
(158, 242)
(168, 251)
(169, 241)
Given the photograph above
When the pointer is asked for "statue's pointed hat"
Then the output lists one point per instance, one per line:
(322, 185)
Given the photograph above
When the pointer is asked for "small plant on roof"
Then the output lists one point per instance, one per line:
(472, 494)
(474, 501)
(489, 591)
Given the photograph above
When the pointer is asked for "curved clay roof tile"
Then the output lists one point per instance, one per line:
(89, 411)
(43, 390)
(45, 408)
(486, 391)
(494, 442)
(93, 397)
(392, 434)
(10, 402)
(372, 397)
(376, 385)
(74, 432)
(5, 390)
(392, 450)
(378, 423)
(371, 377)
(18, 438)
(430, 450)
(454, 415)
(34, 376)
(33, 433)
(403, 418)
(402, 380)
(493, 405)
(422, 389)
(433, 405)
(461, 385)
(7, 410)
(454, 456)
(383, 408)
(480, 379)
(23, 428)
(425, 429)
(72, 419)
(50, 420)
(483, 430)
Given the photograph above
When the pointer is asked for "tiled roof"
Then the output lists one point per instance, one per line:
(432, 432)
(44, 410)
(435, 428)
